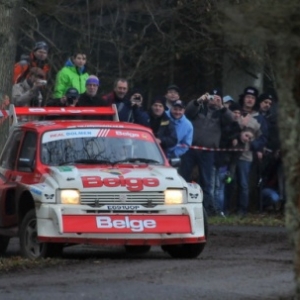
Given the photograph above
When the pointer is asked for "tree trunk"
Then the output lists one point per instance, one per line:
(9, 10)
(288, 74)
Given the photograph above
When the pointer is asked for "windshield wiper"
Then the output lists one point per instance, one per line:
(137, 160)
(85, 161)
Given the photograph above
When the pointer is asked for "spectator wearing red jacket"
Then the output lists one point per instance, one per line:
(36, 59)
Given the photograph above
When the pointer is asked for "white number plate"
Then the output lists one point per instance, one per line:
(121, 207)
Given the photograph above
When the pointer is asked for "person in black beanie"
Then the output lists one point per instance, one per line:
(157, 119)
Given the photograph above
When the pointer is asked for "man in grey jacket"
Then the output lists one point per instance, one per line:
(208, 115)
(28, 92)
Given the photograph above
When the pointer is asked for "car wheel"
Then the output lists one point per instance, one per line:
(137, 249)
(30, 246)
(188, 250)
(4, 241)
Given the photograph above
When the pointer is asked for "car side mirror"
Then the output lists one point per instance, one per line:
(175, 162)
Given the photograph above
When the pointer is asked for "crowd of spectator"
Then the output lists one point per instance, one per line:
(221, 138)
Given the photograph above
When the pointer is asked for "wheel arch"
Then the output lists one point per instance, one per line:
(26, 203)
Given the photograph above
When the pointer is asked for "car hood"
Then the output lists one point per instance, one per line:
(150, 178)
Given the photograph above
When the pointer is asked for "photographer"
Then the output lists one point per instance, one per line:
(28, 92)
(208, 116)
(69, 99)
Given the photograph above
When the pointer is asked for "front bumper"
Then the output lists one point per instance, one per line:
(162, 225)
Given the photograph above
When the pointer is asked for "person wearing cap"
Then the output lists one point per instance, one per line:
(70, 98)
(208, 115)
(227, 101)
(36, 59)
(73, 74)
(161, 125)
(29, 91)
(269, 111)
(253, 119)
(91, 97)
(184, 129)
(173, 94)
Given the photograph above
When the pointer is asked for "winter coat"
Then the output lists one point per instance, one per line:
(70, 76)
(87, 100)
(162, 127)
(22, 68)
(207, 122)
(24, 95)
(184, 130)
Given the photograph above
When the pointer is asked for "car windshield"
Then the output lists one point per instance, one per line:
(99, 145)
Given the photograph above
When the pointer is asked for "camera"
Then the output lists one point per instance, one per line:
(210, 97)
(137, 98)
(70, 100)
(43, 82)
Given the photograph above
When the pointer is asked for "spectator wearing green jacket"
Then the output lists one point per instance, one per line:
(73, 74)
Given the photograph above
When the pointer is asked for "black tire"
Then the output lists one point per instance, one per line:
(30, 247)
(188, 250)
(4, 241)
(137, 249)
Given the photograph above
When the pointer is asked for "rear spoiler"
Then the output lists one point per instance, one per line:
(15, 112)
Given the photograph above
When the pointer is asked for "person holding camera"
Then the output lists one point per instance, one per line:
(208, 115)
(29, 91)
(70, 98)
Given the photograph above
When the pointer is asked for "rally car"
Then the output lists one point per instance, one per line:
(68, 182)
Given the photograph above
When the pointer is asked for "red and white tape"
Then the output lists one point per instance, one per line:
(213, 149)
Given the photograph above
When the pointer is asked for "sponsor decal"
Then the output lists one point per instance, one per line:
(129, 134)
(193, 196)
(131, 184)
(35, 191)
(65, 169)
(116, 171)
(125, 222)
(132, 223)
(49, 196)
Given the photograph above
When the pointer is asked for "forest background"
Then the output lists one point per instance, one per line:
(153, 43)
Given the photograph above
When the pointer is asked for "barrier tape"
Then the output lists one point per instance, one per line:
(214, 149)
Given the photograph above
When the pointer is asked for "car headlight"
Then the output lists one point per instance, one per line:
(70, 197)
(175, 196)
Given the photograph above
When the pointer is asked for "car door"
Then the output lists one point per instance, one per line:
(8, 214)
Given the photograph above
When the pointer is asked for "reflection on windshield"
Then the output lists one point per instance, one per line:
(108, 149)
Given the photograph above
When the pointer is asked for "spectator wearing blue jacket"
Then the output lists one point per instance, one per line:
(184, 129)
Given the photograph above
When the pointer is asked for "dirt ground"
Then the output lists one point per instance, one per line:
(238, 263)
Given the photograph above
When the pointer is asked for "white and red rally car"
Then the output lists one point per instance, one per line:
(65, 182)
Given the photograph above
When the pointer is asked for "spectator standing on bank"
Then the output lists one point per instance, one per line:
(28, 92)
(91, 96)
(184, 129)
(73, 74)
(208, 115)
(161, 125)
(172, 95)
(119, 97)
(70, 98)
(36, 59)
(253, 119)
(227, 101)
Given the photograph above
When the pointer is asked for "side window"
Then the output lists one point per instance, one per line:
(10, 152)
(26, 161)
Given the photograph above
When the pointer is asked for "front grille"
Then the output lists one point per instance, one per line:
(147, 199)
